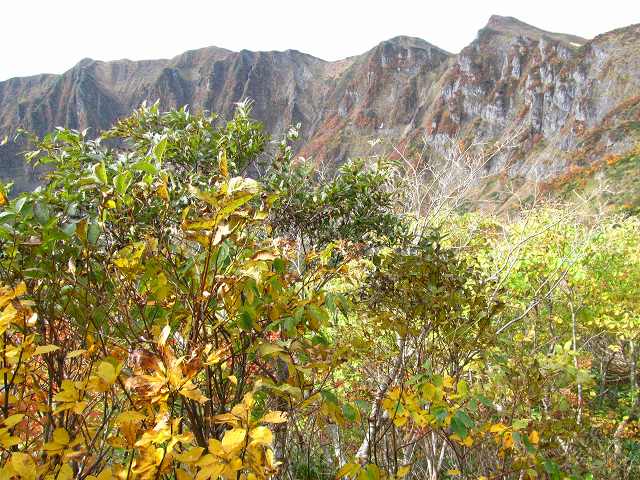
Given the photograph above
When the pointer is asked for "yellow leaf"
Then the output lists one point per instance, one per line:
(233, 439)
(215, 447)
(61, 436)
(129, 416)
(190, 391)
(453, 471)
(65, 473)
(226, 418)
(261, 436)
(3, 198)
(497, 428)
(190, 456)
(428, 391)
(79, 407)
(403, 471)
(69, 392)
(468, 441)
(274, 417)
(507, 441)
(13, 420)
(448, 382)
(7, 441)
(46, 349)
(20, 290)
(162, 191)
(107, 372)
(53, 448)
(128, 258)
(348, 470)
(24, 465)
(400, 420)
(235, 464)
(105, 474)
(164, 335)
(233, 379)
(212, 471)
(534, 437)
(271, 459)
(266, 349)
(183, 475)
(75, 353)
(222, 163)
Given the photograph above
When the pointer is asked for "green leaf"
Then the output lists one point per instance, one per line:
(441, 414)
(372, 472)
(552, 469)
(68, 229)
(122, 181)
(146, 167)
(520, 424)
(462, 415)
(458, 428)
(349, 412)
(279, 266)
(100, 172)
(160, 149)
(461, 423)
(41, 212)
(329, 396)
(317, 316)
(222, 254)
(363, 405)
(17, 207)
(290, 324)
(266, 349)
(247, 317)
(516, 437)
(462, 388)
(93, 233)
(485, 401)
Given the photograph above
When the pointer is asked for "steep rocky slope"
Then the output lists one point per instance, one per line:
(563, 100)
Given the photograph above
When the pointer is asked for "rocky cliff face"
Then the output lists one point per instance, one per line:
(563, 99)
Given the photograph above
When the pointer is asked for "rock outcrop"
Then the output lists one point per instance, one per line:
(564, 99)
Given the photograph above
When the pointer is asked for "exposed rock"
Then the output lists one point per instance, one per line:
(570, 100)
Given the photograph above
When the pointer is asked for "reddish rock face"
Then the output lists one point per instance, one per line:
(567, 98)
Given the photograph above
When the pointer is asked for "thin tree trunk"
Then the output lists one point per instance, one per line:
(364, 451)
(338, 453)
(633, 365)
(575, 360)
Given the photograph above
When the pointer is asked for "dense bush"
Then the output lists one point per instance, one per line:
(164, 315)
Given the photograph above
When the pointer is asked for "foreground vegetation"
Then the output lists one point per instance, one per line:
(164, 315)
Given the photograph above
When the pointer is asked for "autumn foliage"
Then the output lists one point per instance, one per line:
(164, 314)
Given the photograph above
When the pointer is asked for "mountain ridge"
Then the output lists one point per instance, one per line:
(554, 89)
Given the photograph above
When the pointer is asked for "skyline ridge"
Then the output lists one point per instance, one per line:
(494, 23)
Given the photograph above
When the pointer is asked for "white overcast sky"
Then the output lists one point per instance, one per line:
(50, 36)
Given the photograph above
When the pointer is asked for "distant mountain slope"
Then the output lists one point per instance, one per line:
(567, 100)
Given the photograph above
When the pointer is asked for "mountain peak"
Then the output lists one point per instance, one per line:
(513, 27)
(406, 41)
(85, 62)
(499, 22)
